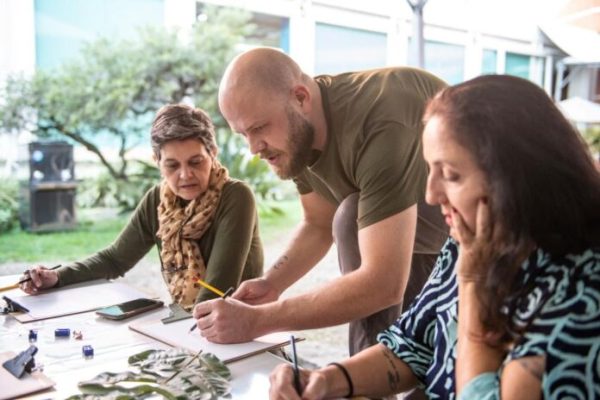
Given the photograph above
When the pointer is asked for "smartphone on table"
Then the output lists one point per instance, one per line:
(129, 308)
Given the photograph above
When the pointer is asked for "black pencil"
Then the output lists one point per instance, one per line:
(28, 279)
(295, 361)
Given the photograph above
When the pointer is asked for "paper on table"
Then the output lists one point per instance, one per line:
(13, 387)
(72, 299)
(177, 334)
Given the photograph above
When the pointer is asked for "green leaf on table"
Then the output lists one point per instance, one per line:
(176, 374)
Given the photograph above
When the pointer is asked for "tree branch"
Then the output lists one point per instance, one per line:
(87, 144)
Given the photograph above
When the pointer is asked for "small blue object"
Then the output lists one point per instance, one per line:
(62, 332)
(32, 335)
(88, 351)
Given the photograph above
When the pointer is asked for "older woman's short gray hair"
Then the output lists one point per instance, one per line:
(181, 122)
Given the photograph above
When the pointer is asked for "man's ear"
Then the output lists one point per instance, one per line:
(302, 97)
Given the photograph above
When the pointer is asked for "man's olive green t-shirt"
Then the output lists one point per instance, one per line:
(231, 246)
(374, 128)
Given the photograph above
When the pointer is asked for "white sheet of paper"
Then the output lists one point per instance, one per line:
(73, 299)
(177, 334)
(13, 387)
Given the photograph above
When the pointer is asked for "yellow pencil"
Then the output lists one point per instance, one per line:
(5, 288)
(215, 291)
(211, 288)
(16, 285)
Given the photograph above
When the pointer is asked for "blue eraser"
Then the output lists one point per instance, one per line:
(88, 351)
(32, 335)
(62, 332)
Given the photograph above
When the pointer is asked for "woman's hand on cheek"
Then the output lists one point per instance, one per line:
(477, 249)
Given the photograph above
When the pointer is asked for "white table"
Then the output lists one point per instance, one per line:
(113, 343)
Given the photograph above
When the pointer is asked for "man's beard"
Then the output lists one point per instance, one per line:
(301, 135)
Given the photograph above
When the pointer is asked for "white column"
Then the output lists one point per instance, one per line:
(501, 61)
(179, 13)
(302, 36)
(473, 55)
(17, 55)
(397, 39)
(17, 37)
(548, 70)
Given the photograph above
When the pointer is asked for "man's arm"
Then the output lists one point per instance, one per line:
(386, 252)
(310, 242)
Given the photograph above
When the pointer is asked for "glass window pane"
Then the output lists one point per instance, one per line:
(270, 31)
(62, 26)
(340, 49)
(517, 65)
(489, 62)
(445, 60)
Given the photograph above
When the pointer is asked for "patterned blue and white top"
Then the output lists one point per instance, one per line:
(566, 329)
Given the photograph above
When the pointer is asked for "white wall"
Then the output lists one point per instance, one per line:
(17, 37)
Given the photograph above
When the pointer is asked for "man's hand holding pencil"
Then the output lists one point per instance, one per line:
(226, 320)
(216, 291)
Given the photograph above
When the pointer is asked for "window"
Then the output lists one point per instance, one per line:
(489, 62)
(62, 26)
(267, 30)
(524, 66)
(517, 65)
(340, 49)
(445, 60)
(270, 31)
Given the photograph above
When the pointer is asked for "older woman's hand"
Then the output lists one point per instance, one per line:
(41, 278)
(313, 384)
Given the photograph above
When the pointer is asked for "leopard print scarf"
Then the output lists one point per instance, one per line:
(180, 227)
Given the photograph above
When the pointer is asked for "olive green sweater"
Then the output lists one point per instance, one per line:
(231, 247)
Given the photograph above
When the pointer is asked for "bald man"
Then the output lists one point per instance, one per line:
(352, 145)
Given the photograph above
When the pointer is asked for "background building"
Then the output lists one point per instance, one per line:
(463, 38)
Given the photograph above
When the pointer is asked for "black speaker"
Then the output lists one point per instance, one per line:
(51, 162)
(46, 209)
(48, 199)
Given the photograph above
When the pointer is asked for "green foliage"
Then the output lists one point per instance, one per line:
(173, 374)
(97, 229)
(106, 98)
(104, 191)
(233, 153)
(91, 235)
(9, 204)
(592, 137)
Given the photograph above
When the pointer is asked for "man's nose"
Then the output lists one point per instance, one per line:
(256, 145)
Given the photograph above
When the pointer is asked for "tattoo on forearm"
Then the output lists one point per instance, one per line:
(392, 373)
(535, 365)
(281, 262)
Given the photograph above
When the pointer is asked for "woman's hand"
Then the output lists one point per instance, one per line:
(478, 249)
(313, 384)
(256, 291)
(41, 278)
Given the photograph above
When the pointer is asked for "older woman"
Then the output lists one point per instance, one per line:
(203, 222)
(512, 308)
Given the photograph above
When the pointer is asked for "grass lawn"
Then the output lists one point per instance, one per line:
(96, 231)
